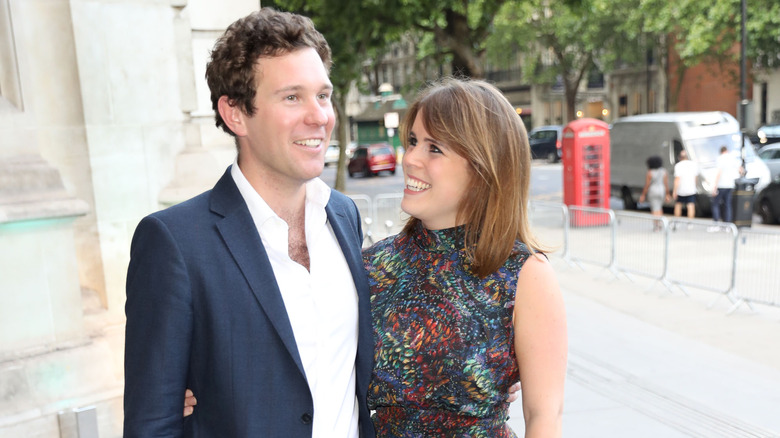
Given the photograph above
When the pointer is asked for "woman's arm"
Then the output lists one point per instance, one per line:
(667, 197)
(648, 180)
(541, 347)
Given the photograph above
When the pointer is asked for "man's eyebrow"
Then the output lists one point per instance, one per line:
(298, 88)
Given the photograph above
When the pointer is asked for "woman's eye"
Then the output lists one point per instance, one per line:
(435, 149)
(412, 141)
(292, 98)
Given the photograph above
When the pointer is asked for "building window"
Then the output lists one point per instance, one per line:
(623, 105)
(10, 88)
(595, 79)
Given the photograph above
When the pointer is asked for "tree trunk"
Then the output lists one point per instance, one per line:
(339, 105)
(570, 91)
(456, 37)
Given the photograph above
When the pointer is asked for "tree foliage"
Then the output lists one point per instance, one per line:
(707, 32)
(459, 28)
(559, 40)
(562, 40)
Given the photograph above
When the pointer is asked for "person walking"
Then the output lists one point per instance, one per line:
(729, 170)
(686, 174)
(656, 189)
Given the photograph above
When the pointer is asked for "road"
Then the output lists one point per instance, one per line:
(546, 182)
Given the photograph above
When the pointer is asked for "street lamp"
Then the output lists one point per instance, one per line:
(391, 123)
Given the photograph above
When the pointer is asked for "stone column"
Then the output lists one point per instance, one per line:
(40, 304)
(208, 151)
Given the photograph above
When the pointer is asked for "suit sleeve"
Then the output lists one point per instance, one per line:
(158, 333)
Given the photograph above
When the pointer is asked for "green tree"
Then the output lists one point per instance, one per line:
(459, 28)
(705, 32)
(559, 40)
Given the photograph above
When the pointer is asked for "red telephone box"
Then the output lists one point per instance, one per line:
(586, 166)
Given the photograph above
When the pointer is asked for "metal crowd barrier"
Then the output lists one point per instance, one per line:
(738, 263)
(389, 219)
(641, 245)
(756, 276)
(549, 221)
(701, 254)
(591, 236)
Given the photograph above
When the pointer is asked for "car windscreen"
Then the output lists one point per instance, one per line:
(770, 131)
(381, 151)
(707, 149)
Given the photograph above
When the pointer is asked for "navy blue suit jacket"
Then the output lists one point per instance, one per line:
(204, 312)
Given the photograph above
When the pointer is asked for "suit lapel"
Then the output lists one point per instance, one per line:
(351, 252)
(240, 235)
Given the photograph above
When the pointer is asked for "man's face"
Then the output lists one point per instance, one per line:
(287, 136)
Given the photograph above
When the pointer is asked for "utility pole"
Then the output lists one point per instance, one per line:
(743, 103)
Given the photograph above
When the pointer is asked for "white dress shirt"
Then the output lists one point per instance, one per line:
(321, 304)
(728, 165)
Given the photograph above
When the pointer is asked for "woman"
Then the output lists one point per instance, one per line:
(656, 189)
(462, 304)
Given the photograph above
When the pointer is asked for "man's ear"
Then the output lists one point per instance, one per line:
(232, 115)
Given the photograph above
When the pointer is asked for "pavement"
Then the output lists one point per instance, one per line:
(647, 362)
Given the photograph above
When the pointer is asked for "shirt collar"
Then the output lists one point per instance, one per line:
(317, 197)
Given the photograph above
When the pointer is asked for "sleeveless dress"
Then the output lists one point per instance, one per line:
(656, 191)
(444, 353)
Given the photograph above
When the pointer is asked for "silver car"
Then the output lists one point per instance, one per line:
(771, 156)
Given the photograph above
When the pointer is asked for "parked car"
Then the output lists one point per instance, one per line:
(371, 159)
(771, 156)
(767, 203)
(767, 135)
(545, 142)
(332, 154)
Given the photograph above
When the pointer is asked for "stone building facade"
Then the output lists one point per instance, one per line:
(104, 118)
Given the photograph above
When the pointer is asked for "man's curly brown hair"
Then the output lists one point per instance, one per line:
(263, 33)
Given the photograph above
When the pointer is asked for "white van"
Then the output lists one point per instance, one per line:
(633, 139)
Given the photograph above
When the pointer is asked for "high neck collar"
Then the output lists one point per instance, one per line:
(442, 241)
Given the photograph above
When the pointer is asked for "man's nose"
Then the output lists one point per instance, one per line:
(317, 113)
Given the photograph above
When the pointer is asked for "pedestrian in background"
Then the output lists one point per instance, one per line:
(686, 174)
(656, 189)
(729, 169)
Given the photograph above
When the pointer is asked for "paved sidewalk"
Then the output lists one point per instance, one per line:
(646, 362)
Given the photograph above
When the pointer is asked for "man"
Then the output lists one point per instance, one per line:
(686, 173)
(253, 294)
(729, 169)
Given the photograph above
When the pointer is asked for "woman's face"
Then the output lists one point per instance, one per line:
(436, 179)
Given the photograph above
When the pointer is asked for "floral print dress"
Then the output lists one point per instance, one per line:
(444, 352)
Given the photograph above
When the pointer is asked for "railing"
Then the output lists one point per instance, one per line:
(738, 263)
